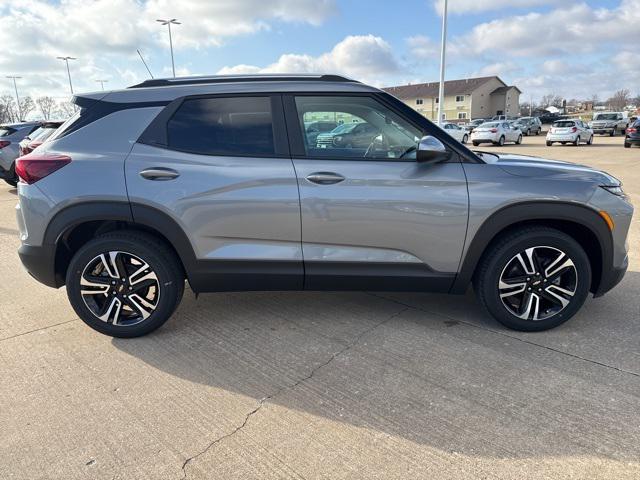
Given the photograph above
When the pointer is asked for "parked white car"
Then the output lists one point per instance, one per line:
(570, 131)
(457, 132)
(497, 133)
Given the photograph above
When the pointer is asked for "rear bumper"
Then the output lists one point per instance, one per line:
(561, 138)
(40, 262)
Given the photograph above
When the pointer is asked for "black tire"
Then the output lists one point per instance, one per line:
(528, 132)
(627, 145)
(475, 144)
(539, 131)
(519, 140)
(499, 256)
(160, 259)
(590, 141)
(613, 133)
(549, 144)
(12, 178)
(501, 141)
(563, 143)
(465, 139)
(576, 142)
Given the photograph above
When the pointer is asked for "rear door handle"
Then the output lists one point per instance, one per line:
(325, 178)
(159, 173)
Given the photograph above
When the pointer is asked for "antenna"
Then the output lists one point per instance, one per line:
(145, 63)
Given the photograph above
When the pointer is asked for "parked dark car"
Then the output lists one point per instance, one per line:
(632, 135)
(348, 135)
(313, 129)
(549, 118)
(473, 124)
(38, 137)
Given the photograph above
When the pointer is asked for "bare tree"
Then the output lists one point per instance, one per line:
(8, 109)
(27, 105)
(620, 99)
(595, 99)
(46, 105)
(65, 110)
(551, 99)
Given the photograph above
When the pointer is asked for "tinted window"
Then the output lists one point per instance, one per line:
(367, 129)
(223, 126)
(6, 131)
(564, 124)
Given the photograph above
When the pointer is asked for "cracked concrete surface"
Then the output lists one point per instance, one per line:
(322, 385)
(290, 387)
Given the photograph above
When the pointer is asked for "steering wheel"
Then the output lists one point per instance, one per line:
(376, 145)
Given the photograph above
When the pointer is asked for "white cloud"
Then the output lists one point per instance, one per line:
(476, 6)
(364, 57)
(104, 32)
(498, 68)
(423, 47)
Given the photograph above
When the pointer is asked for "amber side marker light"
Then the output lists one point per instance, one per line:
(607, 218)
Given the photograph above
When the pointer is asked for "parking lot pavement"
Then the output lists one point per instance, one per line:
(323, 385)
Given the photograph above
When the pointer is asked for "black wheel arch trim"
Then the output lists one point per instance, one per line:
(532, 211)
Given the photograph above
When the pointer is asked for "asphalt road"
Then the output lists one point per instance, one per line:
(323, 385)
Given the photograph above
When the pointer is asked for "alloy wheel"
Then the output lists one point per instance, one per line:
(120, 288)
(538, 283)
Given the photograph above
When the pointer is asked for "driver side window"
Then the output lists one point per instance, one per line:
(365, 129)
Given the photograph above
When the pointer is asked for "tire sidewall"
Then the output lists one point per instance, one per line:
(170, 290)
(507, 252)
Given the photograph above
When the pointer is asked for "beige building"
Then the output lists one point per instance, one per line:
(465, 99)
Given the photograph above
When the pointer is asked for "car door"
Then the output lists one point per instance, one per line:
(219, 168)
(376, 218)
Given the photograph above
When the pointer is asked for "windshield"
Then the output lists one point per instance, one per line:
(6, 131)
(344, 128)
(607, 116)
(564, 124)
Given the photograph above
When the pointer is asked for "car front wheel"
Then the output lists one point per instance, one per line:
(533, 279)
(11, 177)
(125, 284)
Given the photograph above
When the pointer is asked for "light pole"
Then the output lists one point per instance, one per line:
(15, 86)
(66, 60)
(442, 62)
(102, 82)
(168, 23)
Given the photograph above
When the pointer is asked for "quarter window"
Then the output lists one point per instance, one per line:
(366, 129)
(223, 126)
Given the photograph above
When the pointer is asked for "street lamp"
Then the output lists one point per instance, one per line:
(66, 60)
(15, 86)
(168, 23)
(442, 62)
(102, 82)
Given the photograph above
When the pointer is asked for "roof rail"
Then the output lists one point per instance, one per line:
(199, 80)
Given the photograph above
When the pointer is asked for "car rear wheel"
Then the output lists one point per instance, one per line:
(576, 142)
(533, 279)
(590, 141)
(549, 144)
(501, 141)
(475, 144)
(125, 284)
(519, 140)
(613, 133)
(627, 145)
(465, 139)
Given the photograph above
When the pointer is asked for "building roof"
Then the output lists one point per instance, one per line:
(430, 90)
(503, 90)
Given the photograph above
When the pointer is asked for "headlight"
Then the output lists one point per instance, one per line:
(615, 189)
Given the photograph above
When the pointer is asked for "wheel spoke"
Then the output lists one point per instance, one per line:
(139, 304)
(530, 308)
(109, 264)
(510, 287)
(141, 285)
(528, 265)
(96, 285)
(111, 311)
(560, 294)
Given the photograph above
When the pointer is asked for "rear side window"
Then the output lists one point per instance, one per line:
(223, 126)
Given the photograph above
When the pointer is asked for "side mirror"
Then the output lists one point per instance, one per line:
(431, 150)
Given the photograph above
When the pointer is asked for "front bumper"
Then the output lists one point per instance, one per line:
(601, 130)
(611, 278)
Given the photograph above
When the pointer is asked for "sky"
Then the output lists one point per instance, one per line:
(574, 49)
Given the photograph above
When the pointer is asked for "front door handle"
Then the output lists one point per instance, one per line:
(325, 178)
(159, 173)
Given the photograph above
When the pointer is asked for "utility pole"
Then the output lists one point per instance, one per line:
(66, 60)
(15, 86)
(442, 62)
(102, 82)
(168, 23)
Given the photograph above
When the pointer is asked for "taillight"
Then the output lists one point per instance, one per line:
(494, 130)
(632, 130)
(4, 143)
(574, 129)
(36, 166)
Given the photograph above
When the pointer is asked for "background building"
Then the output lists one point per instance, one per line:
(466, 99)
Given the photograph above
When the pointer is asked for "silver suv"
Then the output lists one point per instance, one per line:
(213, 180)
